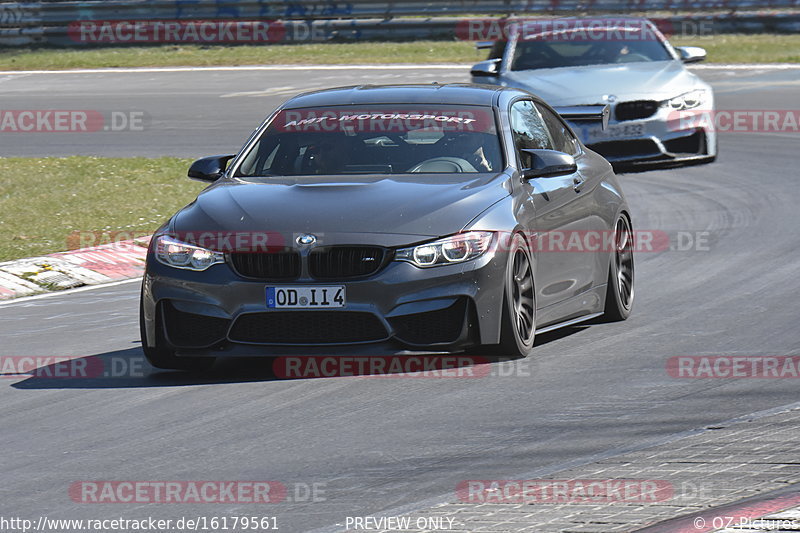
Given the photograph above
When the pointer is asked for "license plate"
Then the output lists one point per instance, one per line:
(615, 131)
(301, 297)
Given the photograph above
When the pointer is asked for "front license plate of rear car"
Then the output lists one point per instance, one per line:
(306, 297)
(615, 131)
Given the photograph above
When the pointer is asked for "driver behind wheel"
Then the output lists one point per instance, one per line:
(324, 158)
(471, 146)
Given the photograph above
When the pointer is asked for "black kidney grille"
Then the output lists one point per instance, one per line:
(307, 327)
(635, 110)
(284, 265)
(339, 262)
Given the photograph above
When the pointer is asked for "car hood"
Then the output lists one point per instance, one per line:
(410, 207)
(656, 80)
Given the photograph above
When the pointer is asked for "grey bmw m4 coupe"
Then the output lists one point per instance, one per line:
(392, 220)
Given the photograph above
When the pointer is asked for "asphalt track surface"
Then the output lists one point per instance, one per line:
(379, 445)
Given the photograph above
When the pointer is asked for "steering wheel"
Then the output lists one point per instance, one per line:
(632, 57)
(449, 165)
(536, 58)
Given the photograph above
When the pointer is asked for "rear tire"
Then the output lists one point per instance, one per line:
(163, 356)
(518, 324)
(619, 291)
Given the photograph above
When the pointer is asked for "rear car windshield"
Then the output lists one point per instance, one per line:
(376, 139)
(573, 48)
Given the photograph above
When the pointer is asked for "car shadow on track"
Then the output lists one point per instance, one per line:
(129, 369)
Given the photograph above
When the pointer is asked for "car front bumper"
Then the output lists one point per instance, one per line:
(400, 309)
(659, 139)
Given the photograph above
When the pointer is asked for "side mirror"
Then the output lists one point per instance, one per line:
(547, 164)
(490, 67)
(692, 54)
(209, 168)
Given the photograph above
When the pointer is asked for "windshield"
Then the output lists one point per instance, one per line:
(577, 48)
(376, 139)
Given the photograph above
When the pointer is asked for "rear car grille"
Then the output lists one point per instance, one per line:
(284, 265)
(433, 327)
(307, 327)
(635, 110)
(188, 330)
(340, 262)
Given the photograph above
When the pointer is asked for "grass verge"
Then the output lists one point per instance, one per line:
(745, 48)
(196, 55)
(44, 200)
(724, 48)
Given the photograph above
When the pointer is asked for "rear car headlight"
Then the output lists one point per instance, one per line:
(454, 249)
(178, 254)
(689, 100)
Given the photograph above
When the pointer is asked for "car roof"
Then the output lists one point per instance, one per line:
(434, 93)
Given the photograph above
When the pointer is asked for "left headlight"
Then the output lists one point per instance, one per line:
(688, 100)
(454, 249)
(172, 252)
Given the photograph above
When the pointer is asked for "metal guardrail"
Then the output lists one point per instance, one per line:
(65, 22)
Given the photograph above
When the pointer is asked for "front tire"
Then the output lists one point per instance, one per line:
(163, 356)
(619, 291)
(518, 327)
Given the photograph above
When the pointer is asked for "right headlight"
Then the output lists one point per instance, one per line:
(454, 249)
(172, 252)
(688, 100)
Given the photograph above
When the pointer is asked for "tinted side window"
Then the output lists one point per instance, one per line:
(497, 50)
(563, 139)
(529, 130)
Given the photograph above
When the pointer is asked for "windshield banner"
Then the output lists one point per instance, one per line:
(397, 120)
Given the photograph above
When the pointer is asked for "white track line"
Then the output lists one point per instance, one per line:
(261, 68)
(242, 68)
(754, 66)
(23, 299)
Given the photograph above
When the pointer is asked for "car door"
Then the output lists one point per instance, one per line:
(590, 243)
(550, 212)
